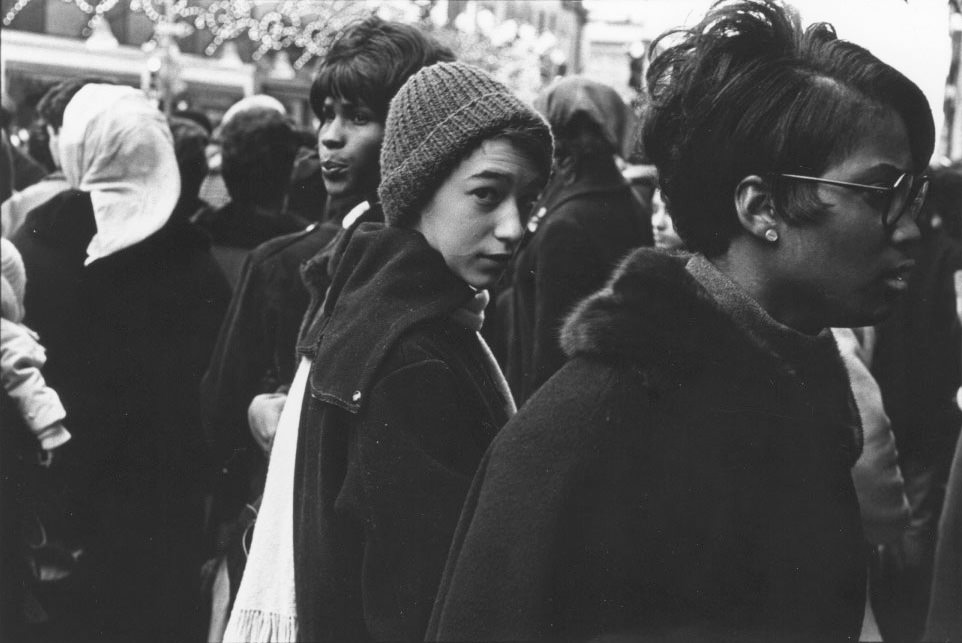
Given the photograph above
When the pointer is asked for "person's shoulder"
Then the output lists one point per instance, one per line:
(66, 217)
(575, 411)
(309, 240)
(428, 341)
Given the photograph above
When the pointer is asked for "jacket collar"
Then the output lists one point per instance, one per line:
(657, 312)
(386, 280)
(658, 316)
(654, 313)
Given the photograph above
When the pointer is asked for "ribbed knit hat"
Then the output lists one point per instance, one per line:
(438, 116)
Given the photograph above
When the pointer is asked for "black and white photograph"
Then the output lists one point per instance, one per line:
(575, 321)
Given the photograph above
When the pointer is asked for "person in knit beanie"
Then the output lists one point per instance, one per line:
(22, 357)
(441, 115)
(401, 395)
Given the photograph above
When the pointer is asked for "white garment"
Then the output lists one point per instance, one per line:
(14, 210)
(117, 146)
(265, 610)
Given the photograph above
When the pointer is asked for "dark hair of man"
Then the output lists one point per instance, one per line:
(746, 91)
(190, 144)
(38, 145)
(198, 117)
(6, 167)
(581, 148)
(370, 61)
(51, 107)
(258, 150)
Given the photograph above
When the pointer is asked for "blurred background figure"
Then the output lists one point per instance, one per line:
(190, 145)
(213, 190)
(586, 220)
(128, 302)
(44, 140)
(258, 149)
(662, 227)
(876, 474)
(944, 620)
(25, 170)
(916, 362)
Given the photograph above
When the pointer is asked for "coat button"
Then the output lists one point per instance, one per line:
(356, 397)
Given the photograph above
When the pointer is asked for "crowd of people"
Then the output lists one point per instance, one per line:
(454, 369)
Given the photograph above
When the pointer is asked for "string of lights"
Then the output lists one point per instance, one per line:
(307, 26)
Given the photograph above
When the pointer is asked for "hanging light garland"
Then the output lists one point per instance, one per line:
(308, 26)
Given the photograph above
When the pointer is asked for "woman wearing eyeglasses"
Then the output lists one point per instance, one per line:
(687, 474)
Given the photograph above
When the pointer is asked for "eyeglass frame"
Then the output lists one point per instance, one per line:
(920, 193)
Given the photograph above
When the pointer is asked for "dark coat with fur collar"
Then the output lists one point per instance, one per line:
(584, 228)
(401, 408)
(673, 481)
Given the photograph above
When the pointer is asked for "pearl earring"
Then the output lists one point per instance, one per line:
(771, 234)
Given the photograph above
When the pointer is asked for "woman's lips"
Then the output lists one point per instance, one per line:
(898, 279)
(499, 259)
(333, 170)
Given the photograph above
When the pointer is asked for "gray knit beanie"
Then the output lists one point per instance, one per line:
(438, 117)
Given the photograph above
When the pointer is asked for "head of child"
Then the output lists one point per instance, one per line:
(14, 282)
(360, 73)
(462, 163)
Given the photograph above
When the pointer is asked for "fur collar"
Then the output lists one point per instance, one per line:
(656, 315)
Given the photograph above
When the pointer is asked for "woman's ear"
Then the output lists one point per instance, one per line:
(756, 213)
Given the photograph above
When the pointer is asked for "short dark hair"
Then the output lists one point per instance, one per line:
(38, 145)
(51, 107)
(198, 117)
(747, 91)
(258, 149)
(190, 145)
(371, 60)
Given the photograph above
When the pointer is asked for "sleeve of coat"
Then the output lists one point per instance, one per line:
(21, 358)
(568, 269)
(240, 358)
(417, 449)
(876, 474)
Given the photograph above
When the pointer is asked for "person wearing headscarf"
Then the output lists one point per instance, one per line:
(128, 302)
(587, 219)
(50, 110)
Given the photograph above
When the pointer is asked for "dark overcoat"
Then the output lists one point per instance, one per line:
(676, 480)
(401, 407)
(584, 229)
(128, 338)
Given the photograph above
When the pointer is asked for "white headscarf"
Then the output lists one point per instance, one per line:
(117, 146)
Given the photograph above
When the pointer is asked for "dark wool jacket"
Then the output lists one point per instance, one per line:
(917, 366)
(128, 338)
(255, 353)
(402, 406)
(583, 230)
(675, 480)
(944, 622)
(236, 228)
